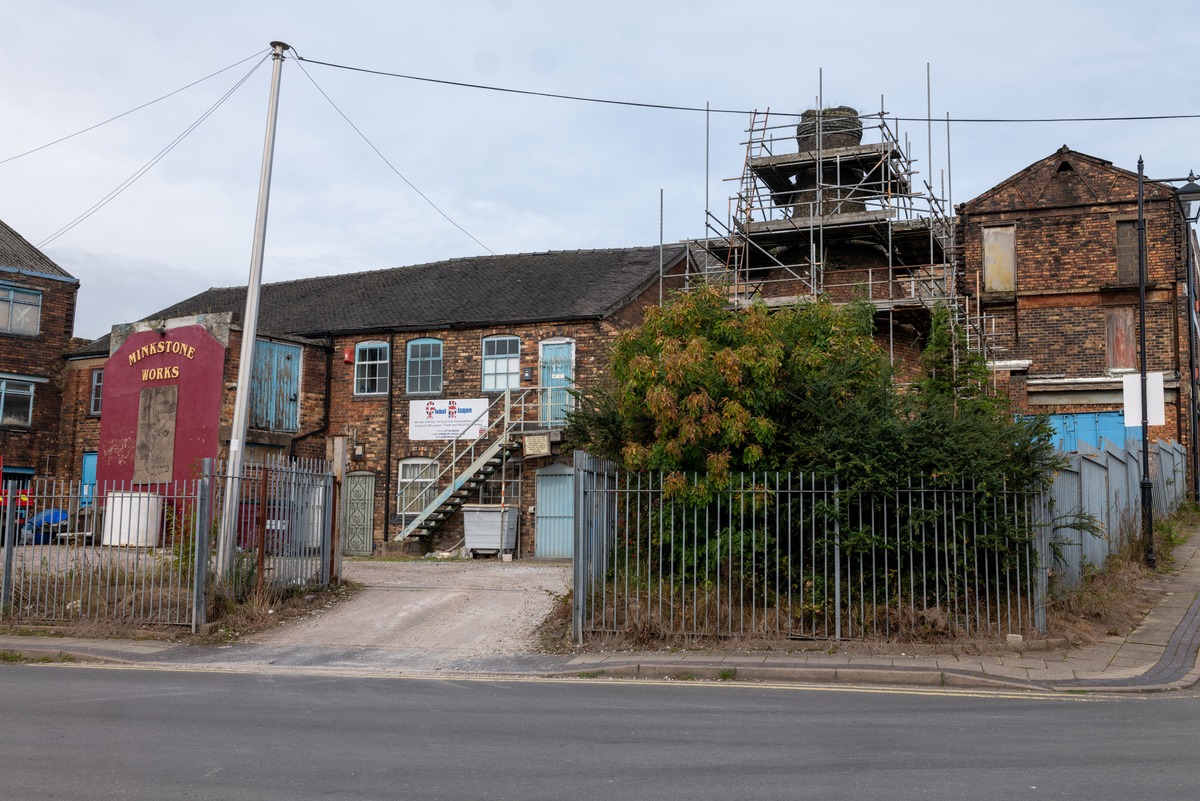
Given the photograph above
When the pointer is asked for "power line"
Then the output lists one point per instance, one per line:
(702, 109)
(392, 167)
(529, 92)
(128, 182)
(127, 113)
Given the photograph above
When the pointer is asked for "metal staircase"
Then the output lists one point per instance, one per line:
(463, 467)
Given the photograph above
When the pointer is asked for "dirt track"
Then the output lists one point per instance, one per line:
(472, 609)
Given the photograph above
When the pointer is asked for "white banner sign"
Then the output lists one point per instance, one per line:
(447, 419)
(1157, 414)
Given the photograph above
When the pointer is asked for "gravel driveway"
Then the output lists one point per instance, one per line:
(463, 610)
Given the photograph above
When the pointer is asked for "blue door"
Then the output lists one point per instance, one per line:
(87, 479)
(558, 374)
(275, 387)
(554, 536)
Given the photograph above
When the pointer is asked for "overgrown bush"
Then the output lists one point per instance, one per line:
(705, 395)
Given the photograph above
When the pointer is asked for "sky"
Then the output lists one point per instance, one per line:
(452, 171)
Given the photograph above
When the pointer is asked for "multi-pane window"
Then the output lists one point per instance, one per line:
(424, 366)
(501, 363)
(371, 365)
(97, 394)
(20, 310)
(16, 402)
(416, 489)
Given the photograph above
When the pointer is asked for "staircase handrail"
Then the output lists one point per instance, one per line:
(469, 449)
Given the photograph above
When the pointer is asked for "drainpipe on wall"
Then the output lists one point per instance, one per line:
(328, 388)
(387, 481)
(1193, 427)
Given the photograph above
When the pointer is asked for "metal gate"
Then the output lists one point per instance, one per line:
(360, 513)
(555, 512)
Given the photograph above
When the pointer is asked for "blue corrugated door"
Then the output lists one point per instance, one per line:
(555, 531)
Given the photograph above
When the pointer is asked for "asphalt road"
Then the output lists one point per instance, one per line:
(70, 732)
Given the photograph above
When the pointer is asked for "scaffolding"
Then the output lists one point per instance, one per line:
(820, 213)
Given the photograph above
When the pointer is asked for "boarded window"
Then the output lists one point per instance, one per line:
(1127, 252)
(1122, 338)
(999, 259)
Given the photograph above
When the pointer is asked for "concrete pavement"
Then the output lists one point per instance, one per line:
(1159, 655)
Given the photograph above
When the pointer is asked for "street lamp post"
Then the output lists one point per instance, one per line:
(1185, 194)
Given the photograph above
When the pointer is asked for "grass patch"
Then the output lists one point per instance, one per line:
(554, 632)
(19, 658)
(266, 610)
(727, 674)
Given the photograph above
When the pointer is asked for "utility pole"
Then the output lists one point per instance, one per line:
(241, 402)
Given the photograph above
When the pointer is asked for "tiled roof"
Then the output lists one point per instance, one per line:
(17, 254)
(459, 293)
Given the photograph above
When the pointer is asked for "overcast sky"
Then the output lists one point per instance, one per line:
(521, 173)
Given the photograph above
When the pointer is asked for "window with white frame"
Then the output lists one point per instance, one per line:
(97, 394)
(20, 310)
(16, 402)
(501, 363)
(424, 367)
(416, 488)
(372, 362)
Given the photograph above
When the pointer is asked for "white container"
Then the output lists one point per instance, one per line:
(131, 518)
(485, 523)
(310, 520)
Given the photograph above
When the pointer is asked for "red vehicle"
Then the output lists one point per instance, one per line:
(21, 503)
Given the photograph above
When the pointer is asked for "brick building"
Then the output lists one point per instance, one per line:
(37, 318)
(1051, 254)
(392, 367)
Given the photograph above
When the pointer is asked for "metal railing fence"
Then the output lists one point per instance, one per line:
(793, 556)
(142, 554)
(117, 553)
(283, 525)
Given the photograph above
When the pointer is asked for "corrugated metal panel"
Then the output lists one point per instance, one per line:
(1093, 478)
(1091, 428)
(555, 513)
(275, 387)
(1067, 496)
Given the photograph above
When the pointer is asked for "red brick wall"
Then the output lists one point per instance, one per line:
(79, 429)
(1066, 275)
(39, 356)
(364, 419)
(313, 360)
